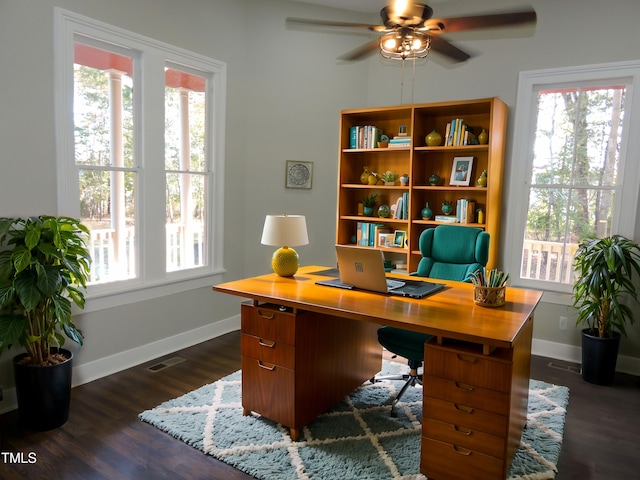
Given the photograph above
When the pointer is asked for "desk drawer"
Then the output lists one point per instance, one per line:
(464, 437)
(441, 460)
(472, 369)
(465, 416)
(268, 351)
(268, 389)
(466, 394)
(269, 323)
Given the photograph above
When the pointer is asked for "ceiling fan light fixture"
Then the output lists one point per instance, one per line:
(405, 44)
(391, 43)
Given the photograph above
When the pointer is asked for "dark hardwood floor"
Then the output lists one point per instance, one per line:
(103, 438)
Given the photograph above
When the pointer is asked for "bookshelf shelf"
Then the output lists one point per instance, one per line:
(420, 162)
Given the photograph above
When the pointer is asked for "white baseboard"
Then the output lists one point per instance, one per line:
(121, 361)
(572, 353)
(103, 367)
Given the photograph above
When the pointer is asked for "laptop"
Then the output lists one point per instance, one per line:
(363, 268)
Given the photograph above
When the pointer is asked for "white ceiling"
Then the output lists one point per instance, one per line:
(365, 6)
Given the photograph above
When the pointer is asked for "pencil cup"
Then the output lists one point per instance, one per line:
(488, 296)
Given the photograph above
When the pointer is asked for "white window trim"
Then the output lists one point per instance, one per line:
(624, 221)
(145, 287)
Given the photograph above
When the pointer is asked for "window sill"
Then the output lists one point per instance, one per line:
(139, 293)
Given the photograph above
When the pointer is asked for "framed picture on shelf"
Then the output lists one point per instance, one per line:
(399, 238)
(461, 171)
(299, 174)
(386, 240)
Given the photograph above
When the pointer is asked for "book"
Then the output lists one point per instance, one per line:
(405, 205)
(397, 209)
(471, 211)
(446, 218)
(373, 237)
(466, 210)
(364, 136)
(353, 137)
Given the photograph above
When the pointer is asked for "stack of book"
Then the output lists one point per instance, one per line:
(365, 136)
(465, 211)
(401, 140)
(400, 210)
(396, 142)
(368, 234)
(446, 218)
(459, 133)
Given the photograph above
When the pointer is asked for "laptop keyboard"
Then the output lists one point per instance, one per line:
(391, 284)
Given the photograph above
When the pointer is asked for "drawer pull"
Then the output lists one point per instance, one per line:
(462, 451)
(266, 367)
(464, 386)
(466, 358)
(265, 315)
(462, 430)
(266, 343)
(463, 408)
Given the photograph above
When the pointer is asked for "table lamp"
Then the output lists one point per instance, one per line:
(285, 231)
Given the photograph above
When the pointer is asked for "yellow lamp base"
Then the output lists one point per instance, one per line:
(285, 262)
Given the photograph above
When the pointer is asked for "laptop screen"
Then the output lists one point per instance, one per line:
(362, 267)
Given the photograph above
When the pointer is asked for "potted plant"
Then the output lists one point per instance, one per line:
(605, 268)
(368, 203)
(389, 177)
(44, 268)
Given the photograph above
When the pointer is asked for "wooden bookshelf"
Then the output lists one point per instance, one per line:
(420, 162)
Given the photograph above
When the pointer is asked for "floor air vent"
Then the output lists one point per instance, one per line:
(567, 367)
(169, 362)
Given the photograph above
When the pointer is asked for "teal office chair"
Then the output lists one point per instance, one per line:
(449, 253)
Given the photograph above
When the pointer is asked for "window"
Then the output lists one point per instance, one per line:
(573, 143)
(140, 157)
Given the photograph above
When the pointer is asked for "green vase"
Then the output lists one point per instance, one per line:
(426, 212)
(434, 139)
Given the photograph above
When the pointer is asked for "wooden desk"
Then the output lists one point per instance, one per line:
(305, 346)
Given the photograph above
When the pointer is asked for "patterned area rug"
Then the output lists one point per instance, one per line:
(355, 439)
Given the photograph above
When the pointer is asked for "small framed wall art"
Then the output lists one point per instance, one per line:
(461, 171)
(298, 174)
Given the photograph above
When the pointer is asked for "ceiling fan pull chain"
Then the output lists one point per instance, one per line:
(413, 78)
(402, 83)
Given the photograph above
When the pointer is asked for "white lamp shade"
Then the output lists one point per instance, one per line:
(285, 230)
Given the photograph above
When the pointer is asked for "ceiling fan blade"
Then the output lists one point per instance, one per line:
(456, 24)
(290, 21)
(361, 52)
(440, 45)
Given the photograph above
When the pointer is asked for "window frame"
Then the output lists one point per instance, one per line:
(150, 58)
(529, 83)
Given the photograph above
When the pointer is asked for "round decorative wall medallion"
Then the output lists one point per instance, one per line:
(299, 174)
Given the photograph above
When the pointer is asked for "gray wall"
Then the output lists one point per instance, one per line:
(285, 92)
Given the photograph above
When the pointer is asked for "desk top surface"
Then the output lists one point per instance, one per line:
(450, 312)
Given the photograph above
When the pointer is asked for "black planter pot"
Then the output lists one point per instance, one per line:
(599, 357)
(44, 393)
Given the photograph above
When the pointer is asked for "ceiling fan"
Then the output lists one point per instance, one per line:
(408, 30)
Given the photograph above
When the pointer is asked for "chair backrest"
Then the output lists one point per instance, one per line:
(452, 252)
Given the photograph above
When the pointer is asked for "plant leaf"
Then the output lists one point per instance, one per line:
(12, 327)
(26, 285)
